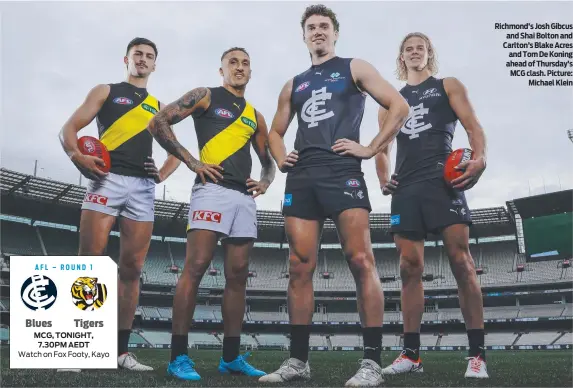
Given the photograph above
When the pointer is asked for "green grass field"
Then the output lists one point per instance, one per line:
(332, 369)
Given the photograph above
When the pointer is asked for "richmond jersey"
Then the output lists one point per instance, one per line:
(425, 140)
(224, 133)
(122, 122)
(329, 107)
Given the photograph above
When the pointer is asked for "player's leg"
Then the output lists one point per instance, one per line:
(200, 250)
(354, 234)
(102, 204)
(456, 242)
(94, 233)
(209, 219)
(99, 211)
(408, 228)
(303, 237)
(446, 210)
(135, 237)
(238, 248)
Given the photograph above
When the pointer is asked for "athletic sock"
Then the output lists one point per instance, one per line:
(476, 341)
(231, 348)
(412, 345)
(372, 339)
(122, 341)
(299, 338)
(179, 344)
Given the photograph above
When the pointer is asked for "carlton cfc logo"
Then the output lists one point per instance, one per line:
(224, 113)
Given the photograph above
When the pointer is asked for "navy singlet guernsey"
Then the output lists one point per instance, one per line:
(122, 125)
(224, 133)
(329, 107)
(425, 140)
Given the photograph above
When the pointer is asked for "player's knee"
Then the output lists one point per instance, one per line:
(300, 268)
(462, 266)
(237, 274)
(411, 267)
(130, 270)
(361, 263)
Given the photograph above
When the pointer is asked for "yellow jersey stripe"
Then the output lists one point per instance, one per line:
(230, 139)
(130, 124)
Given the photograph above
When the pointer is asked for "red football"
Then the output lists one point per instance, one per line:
(455, 158)
(89, 145)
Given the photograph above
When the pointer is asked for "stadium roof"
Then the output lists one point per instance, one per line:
(16, 184)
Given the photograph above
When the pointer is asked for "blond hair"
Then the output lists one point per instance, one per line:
(432, 66)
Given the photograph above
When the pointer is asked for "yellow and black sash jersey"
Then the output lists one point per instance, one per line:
(224, 133)
(122, 123)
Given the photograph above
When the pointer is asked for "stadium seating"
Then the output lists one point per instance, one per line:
(20, 239)
(497, 259)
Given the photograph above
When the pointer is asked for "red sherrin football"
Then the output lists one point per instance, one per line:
(455, 158)
(89, 145)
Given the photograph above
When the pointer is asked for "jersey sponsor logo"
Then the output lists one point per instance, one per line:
(334, 77)
(288, 200)
(149, 108)
(249, 122)
(302, 86)
(222, 112)
(96, 198)
(432, 92)
(123, 101)
(395, 219)
(353, 183)
(207, 215)
(415, 122)
(311, 113)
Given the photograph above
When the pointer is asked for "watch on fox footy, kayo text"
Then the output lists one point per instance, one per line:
(63, 312)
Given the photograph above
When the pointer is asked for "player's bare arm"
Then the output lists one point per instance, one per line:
(194, 102)
(169, 166)
(261, 147)
(279, 126)
(368, 79)
(460, 103)
(83, 115)
(388, 183)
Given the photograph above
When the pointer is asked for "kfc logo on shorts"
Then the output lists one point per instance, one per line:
(206, 215)
(96, 198)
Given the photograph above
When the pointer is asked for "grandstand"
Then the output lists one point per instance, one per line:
(527, 303)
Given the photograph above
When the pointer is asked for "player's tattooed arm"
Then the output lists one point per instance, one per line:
(460, 103)
(194, 102)
(279, 126)
(261, 146)
(368, 79)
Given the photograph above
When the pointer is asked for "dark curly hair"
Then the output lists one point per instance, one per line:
(321, 10)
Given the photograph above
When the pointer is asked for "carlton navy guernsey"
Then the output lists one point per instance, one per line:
(329, 107)
(425, 140)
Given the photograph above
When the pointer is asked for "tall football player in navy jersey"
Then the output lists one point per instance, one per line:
(422, 202)
(325, 181)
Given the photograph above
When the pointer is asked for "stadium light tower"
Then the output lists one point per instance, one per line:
(570, 134)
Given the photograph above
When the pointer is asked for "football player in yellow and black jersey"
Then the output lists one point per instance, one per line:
(122, 112)
(222, 202)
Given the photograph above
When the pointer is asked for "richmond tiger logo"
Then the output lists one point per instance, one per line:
(88, 294)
